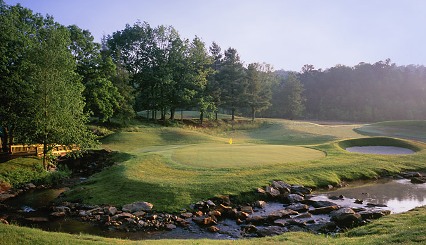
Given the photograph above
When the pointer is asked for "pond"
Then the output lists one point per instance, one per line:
(383, 150)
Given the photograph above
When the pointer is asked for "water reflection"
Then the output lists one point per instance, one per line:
(399, 195)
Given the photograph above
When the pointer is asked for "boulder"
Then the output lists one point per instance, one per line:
(299, 207)
(170, 227)
(408, 175)
(5, 196)
(256, 219)
(260, 204)
(299, 189)
(186, 215)
(30, 186)
(137, 206)
(247, 209)
(303, 216)
(213, 228)
(374, 214)
(203, 220)
(270, 231)
(418, 180)
(110, 210)
(139, 214)
(281, 186)
(292, 198)
(324, 210)
(272, 192)
(63, 209)
(215, 213)
(346, 217)
(319, 204)
(57, 214)
(123, 215)
(284, 213)
(3, 221)
(281, 222)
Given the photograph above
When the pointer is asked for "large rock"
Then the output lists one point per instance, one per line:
(3, 221)
(203, 220)
(410, 174)
(418, 180)
(299, 207)
(319, 204)
(374, 214)
(247, 209)
(270, 231)
(324, 210)
(137, 206)
(260, 204)
(272, 192)
(292, 198)
(256, 219)
(298, 189)
(284, 213)
(281, 186)
(346, 217)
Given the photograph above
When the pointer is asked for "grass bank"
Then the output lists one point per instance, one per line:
(406, 228)
(19, 171)
(174, 167)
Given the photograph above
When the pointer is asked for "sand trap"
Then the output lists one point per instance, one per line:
(383, 150)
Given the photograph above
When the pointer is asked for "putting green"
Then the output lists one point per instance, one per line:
(238, 156)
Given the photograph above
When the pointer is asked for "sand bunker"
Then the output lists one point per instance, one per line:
(383, 150)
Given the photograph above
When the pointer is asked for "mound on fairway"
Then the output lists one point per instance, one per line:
(240, 156)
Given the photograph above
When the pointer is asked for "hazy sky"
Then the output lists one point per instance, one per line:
(284, 33)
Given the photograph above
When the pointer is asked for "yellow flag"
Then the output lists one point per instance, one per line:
(230, 141)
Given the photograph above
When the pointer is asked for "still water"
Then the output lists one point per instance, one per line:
(398, 195)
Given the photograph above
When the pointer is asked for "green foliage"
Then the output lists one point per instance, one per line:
(20, 171)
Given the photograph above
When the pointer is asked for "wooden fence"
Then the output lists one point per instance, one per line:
(37, 150)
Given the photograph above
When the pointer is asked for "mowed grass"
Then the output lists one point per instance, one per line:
(162, 165)
(242, 156)
(415, 130)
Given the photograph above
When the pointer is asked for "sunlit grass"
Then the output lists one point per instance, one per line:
(240, 156)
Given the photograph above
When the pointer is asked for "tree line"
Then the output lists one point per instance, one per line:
(54, 77)
(363, 93)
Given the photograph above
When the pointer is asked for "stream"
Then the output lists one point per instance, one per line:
(32, 209)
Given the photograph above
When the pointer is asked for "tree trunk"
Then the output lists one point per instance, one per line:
(216, 115)
(4, 140)
(172, 114)
(44, 155)
(10, 136)
(181, 115)
(233, 114)
(253, 113)
(201, 117)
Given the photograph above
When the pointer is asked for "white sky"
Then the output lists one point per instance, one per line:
(285, 33)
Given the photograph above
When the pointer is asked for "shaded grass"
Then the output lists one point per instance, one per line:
(19, 171)
(406, 228)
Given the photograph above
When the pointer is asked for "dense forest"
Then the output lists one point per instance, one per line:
(54, 77)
